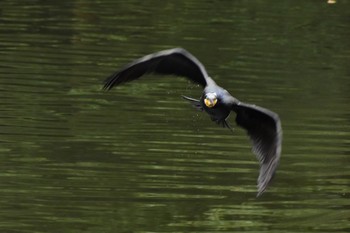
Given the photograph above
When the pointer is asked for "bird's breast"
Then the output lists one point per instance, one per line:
(219, 112)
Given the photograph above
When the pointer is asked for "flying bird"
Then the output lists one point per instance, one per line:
(262, 125)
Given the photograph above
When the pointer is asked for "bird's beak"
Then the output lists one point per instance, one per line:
(210, 102)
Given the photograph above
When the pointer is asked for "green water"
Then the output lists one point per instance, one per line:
(139, 158)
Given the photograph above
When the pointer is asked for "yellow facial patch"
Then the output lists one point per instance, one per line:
(210, 102)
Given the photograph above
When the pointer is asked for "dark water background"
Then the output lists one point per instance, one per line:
(139, 158)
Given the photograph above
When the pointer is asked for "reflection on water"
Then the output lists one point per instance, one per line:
(139, 158)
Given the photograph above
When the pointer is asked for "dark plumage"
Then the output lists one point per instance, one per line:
(263, 126)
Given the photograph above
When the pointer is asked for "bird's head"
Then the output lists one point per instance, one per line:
(210, 99)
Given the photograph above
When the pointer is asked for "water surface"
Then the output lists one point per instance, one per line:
(139, 158)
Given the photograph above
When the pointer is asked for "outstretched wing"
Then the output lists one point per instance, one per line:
(176, 61)
(264, 129)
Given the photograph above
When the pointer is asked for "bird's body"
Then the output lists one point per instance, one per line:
(221, 110)
(263, 126)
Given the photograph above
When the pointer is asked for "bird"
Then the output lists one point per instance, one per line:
(263, 126)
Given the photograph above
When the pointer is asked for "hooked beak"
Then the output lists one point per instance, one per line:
(210, 102)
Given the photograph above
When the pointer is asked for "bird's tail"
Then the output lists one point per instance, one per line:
(195, 103)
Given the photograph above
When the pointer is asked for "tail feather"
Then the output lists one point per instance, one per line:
(195, 103)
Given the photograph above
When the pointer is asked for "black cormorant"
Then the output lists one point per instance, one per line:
(263, 126)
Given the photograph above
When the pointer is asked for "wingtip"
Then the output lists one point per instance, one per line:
(261, 190)
(106, 86)
(109, 83)
(267, 173)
